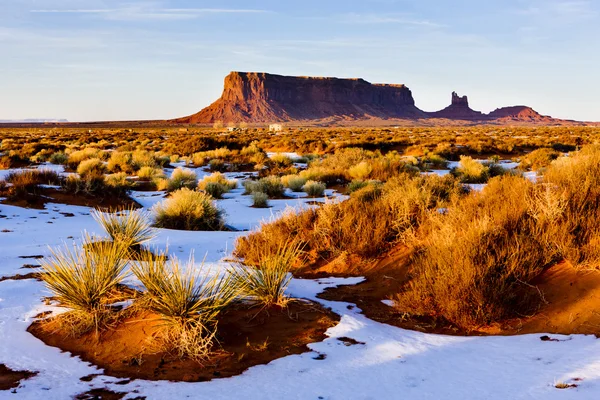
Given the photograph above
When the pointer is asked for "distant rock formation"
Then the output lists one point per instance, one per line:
(262, 97)
(458, 109)
(257, 97)
(519, 113)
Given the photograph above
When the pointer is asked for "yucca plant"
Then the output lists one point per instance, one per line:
(187, 300)
(130, 228)
(266, 280)
(84, 280)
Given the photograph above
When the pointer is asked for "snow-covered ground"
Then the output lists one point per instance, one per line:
(391, 364)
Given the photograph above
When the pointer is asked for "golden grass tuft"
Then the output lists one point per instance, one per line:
(266, 280)
(188, 301)
(128, 228)
(84, 280)
(187, 209)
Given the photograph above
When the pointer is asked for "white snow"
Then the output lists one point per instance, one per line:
(391, 363)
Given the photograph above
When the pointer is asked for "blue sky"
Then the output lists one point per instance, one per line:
(115, 60)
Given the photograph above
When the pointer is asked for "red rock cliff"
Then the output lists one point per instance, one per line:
(262, 97)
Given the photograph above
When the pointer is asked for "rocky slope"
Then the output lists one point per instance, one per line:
(256, 97)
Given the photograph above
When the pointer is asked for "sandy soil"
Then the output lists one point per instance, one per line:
(248, 337)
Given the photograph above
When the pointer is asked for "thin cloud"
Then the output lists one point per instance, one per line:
(153, 12)
(402, 19)
(82, 11)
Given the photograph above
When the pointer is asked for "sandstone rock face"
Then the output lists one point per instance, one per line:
(262, 97)
(257, 97)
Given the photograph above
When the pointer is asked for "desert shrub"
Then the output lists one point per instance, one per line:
(143, 158)
(97, 186)
(217, 165)
(150, 173)
(217, 177)
(475, 262)
(434, 161)
(314, 189)
(129, 228)
(293, 182)
(539, 158)
(76, 157)
(28, 181)
(91, 167)
(265, 281)
(365, 227)
(188, 301)
(120, 161)
(84, 281)
(281, 160)
(58, 158)
(260, 200)
(270, 185)
(573, 185)
(495, 169)
(118, 181)
(328, 176)
(471, 171)
(186, 209)
(360, 171)
(215, 190)
(368, 193)
(160, 183)
(357, 185)
(182, 178)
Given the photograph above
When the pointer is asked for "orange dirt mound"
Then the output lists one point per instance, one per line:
(248, 336)
(572, 304)
(571, 297)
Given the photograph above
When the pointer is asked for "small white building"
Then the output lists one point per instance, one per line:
(275, 128)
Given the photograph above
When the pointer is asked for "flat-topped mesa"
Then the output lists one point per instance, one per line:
(262, 97)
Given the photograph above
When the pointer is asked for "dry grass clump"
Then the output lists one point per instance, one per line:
(28, 181)
(91, 167)
(314, 189)
(84, 281)
(118, 181)
(471, 171)
(281, 160)
(188, 303)
(114, 185)
(360, 171)
(150, 173)
(265, 281)
(293, 182)
(363, 225)
(475, 262)
(129, 228)
(78, 156)
(539, 158)
(217, 184)
(182, 178)
(58, 158)
(187, 209)
(270, 185)
(260, 200)
(573, 190)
